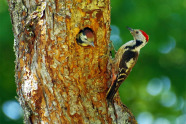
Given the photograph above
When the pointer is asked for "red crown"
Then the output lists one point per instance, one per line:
(145, 35)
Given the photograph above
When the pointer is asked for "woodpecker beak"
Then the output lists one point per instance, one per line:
(130, 29)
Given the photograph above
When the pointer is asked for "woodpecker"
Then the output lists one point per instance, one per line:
(85, 37)
(125, 59)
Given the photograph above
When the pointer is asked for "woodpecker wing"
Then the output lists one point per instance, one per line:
(127, 62)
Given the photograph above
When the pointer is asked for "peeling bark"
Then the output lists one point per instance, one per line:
(59, 81)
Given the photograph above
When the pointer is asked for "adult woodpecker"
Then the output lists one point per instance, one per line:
(125, 59)
(85, 37)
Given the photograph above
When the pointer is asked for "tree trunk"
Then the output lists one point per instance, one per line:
(59, 81)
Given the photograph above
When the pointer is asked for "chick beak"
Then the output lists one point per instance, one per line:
(92, 44)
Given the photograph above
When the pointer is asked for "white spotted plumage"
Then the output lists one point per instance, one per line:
(125, 59)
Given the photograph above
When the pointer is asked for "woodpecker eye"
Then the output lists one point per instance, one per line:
(137, 32)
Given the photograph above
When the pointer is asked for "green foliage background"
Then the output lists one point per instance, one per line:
(162, 60)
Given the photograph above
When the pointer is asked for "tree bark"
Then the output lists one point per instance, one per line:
(59, 81)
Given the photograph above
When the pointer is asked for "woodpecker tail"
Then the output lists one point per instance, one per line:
(112, 91)
(115, 86)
